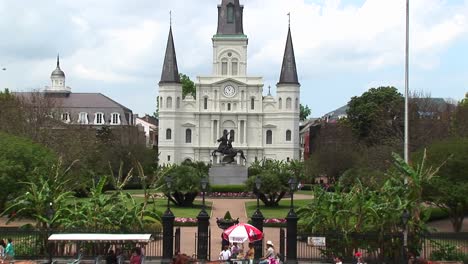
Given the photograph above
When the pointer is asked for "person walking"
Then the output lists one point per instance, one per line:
(10, 251)
(225, 254)
(2, 250)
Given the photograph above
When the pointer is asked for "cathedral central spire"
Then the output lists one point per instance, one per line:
(230, 14)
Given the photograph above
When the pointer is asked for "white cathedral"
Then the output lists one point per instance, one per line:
(264, 127)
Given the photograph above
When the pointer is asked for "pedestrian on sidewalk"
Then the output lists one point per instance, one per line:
(225, 254)
(9, 251)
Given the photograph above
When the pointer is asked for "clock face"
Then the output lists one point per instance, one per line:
(229, 91)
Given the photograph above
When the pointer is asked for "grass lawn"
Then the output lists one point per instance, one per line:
(304, 192)
(161, 205)
(274, 212)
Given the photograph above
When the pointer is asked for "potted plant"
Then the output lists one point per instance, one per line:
(226, 221)
(446, 254)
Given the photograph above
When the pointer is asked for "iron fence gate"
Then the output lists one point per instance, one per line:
(204, 236)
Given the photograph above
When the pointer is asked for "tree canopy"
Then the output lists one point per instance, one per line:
(20, 160)
(376, 116)
(188, 86)
(448, 190)
(274, 176)
(304, 112)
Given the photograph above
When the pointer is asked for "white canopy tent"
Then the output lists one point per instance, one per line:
(142, 238)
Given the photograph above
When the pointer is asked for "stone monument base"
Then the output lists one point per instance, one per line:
(225, 174)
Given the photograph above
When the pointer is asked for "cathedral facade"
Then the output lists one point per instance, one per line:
(229, 100)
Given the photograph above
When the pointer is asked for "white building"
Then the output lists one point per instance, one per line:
(229, 99)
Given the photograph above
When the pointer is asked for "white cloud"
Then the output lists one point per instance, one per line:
(121, 42)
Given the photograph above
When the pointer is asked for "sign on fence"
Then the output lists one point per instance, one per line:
(316, 241)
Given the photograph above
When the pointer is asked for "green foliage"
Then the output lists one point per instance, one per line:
(227, 188)
(448, 191)
(446, 251)
(20, 161)
(117, 211)
(48, 193)
(274, 176)
(186, 180)
(227, 216)
(188, 86)
(304, 112)
(376, 115)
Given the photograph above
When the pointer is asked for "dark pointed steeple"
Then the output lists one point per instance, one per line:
(230, 14)
(170, 72)
(288, 69)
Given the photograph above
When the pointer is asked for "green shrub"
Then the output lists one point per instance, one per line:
(227, 215)
(446, 251)
(436, 213)
(228, 188)
(307, 187)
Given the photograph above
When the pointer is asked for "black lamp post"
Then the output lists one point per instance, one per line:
(404, 220)
(202, 225)
(291, 226)
(50, 216)
(168, 227)
(257, 219)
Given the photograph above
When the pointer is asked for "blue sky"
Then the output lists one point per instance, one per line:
(342, 48)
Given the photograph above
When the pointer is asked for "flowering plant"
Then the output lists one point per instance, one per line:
(274, 221)
(230, 194)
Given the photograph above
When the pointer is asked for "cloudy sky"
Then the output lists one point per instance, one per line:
(343, 48)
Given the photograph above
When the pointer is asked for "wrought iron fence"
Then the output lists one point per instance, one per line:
(375, 248)
(31, 243)
(435, 242)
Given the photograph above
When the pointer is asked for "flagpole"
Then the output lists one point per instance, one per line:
(406, 133)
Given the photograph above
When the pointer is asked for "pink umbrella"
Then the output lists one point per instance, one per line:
(242, 232)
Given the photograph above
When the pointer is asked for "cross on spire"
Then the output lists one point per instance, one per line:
(269, 92)
(170, 18)
(289, 19)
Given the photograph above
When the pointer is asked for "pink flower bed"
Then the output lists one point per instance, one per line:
(230, 194)
(274, 221)
(185, 220)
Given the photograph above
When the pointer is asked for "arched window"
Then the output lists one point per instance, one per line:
(252, 103)
(288, 103)
(229, 106)
(115, 118)
(288, 135)
(169, 102)
(66, 117)
(234, 69)
(280, 103)
(205, 103)
(99, 119)
(230, 13)
(224, 67)
(160, 103)
(231, 135)
(188, 135)
(269, 137)
(83, 118)
(178, 102)
(168, 134)
(296, 104)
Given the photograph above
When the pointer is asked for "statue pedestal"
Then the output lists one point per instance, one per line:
(224, 174)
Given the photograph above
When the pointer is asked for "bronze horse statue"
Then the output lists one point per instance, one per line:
(226, 149)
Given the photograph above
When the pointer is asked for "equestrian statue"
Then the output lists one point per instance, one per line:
(226, 149)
